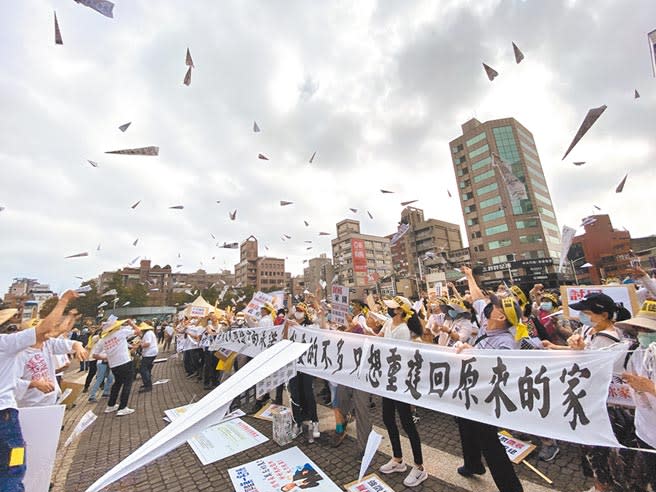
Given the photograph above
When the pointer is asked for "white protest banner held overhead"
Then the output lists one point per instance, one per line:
(559, 394)
(208, 411)
(566, 241)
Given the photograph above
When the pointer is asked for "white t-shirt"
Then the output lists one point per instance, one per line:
(399, 332)
(645, 412)
(10, 364)
(169, 330)
(196, 331)
(41, 364)
(115, 346)
(150, 338)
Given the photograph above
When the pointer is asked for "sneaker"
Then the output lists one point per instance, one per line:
(338, 438)
(111, 409)
(466, 472)
(415, 477)
(315, 430)
(92, 400)
(548, 453)
(124, 411)
(393, 466)
(297, 430)
(105, 396)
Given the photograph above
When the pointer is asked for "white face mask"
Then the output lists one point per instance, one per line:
(299, 315)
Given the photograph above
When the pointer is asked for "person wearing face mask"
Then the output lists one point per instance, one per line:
(598, 313)
(402, 325)
(557, 329)
(496, 317)
(641, 376)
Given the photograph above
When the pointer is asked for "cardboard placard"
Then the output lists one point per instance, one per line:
(624, 294)
(370, 483)
(76, 390)
(515, 449)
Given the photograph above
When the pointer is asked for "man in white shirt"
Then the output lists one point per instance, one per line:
(114, 343)
(148, 354)
(12, 445)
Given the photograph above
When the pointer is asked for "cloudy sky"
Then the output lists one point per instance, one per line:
(376, 88)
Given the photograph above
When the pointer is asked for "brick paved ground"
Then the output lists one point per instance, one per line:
(112, 438)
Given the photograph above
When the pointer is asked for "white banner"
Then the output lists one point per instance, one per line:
(516, 189)
(621, 294)
(565, 242)
(557, 394)
(248, 341)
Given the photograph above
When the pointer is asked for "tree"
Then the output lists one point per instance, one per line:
(137, 295)
(87, 304)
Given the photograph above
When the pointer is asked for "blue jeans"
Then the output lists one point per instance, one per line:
(102, 372)
(11, 437)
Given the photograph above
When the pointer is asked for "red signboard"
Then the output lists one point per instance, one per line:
(359, 256)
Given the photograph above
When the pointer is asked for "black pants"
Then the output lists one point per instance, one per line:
(145, 370)
(478, 438)
(304, 404)
(210, 374)
(390, 408)
(92, 372)
(123, 376)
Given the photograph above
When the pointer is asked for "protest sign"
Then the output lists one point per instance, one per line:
(515, 449)
(259, 299)
(279, 470)
(41, 427)
(370, 483)
(339, 303)
(267, 412)
(620, 393)
(225, 439)
(621, 294)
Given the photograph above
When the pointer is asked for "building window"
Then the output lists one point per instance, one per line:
(548, 213)
(467, 196)
(481, 150)
(472, 222)
(486, 189)
(525, 224)
(484, 176)
(482, 163)
(457, 149)
(476, 139)
(496, 229)
(539, 185)
(550, 226)
(534, 238)
(469, 209)
(522, 207)
(476, 234)
(465, 183)
(490, 201)
(502, 243)
(525, 135)
(542, 198)
(493, 215)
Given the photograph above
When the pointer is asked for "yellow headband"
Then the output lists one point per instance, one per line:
(519, 293)
(508, 305)
(404, 307)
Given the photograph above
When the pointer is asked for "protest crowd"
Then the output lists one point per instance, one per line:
(507, 319)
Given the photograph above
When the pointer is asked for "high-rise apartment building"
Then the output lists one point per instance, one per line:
(510, 220)
(360, 259)
(319, 269)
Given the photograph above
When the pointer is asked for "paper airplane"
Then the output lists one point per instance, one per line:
(449, 193)
(229, 245)
(126, 303)
(187, 78)
(256, 128)
(212, 236)
(179, 256)
(312, 158)
(177, 207)
(102, 304)
(218, 201)
(491, 72)
(136, 205)
(287, 236)
(152, 150)
(58, 37)
(636, 94)
(369, 214)
(598, 208)
(386, 191)
(135, 242)
(354, 210)
(81, 278)
(403, 204)
(307, 224)
(519, 56)
(178, 265)
(335, 278)
(620, 187)
(98, 248)
(284, 203)
(77, 255)
(323, 283)
(188, 61)
(125, 126)
(262, 157)
(579, 163)
(2, 208)
(103, 7)
(111, 292)
(324, 233)
(233, 214)
(93, 163)
(589, 120)
(134, 261)
(309, 248)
